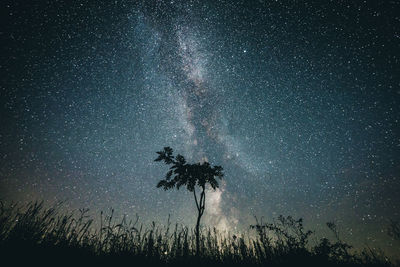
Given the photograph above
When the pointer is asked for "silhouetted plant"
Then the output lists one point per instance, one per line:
(289, 235)
(35, 234)
(339, 250)
(182, 173)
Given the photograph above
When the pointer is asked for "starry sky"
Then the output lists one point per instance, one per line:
(298, 101)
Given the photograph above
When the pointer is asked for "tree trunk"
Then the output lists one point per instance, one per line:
(200, 207)
(198, 234)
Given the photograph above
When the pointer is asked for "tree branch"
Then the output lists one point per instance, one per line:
(195, 198)
(202, 201)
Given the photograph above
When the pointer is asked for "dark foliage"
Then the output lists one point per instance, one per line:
(33, 235)
(182, 173)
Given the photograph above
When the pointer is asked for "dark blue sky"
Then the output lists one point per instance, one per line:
(298, 102)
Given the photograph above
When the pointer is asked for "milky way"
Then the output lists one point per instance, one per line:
(298, 103)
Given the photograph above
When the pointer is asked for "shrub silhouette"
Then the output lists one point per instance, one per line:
(189, 175)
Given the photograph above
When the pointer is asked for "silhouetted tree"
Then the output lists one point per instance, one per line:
(191, 176)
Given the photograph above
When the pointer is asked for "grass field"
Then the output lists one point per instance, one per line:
(33, 234)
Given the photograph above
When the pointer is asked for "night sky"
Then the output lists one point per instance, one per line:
(298, 102)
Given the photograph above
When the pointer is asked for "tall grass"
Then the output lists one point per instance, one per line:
(47, 235)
